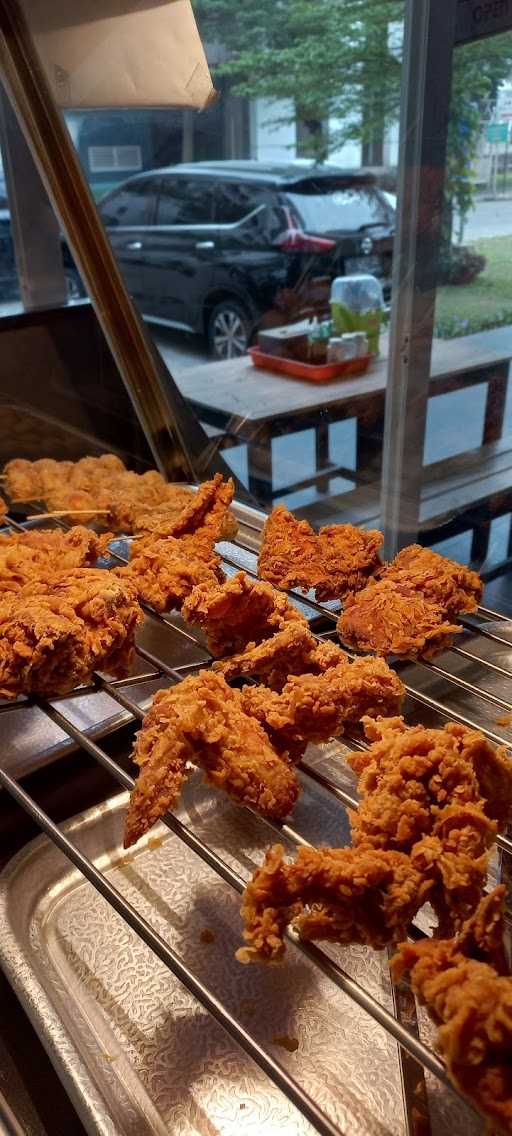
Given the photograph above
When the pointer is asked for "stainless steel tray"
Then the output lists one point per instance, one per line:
(134, 1050)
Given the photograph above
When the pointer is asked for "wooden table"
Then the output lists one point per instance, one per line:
(254, 405)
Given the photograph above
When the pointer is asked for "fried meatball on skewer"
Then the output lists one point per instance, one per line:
(451, 586)
(338, 559)
(318, 707)
(55, 634)
(343, 895)
(238, 614)
(390, 618)
(201, 720)
(465, 986)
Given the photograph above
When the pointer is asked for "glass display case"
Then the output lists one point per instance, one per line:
(255, 436)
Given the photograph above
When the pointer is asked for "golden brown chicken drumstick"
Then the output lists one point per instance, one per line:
(451, 586)
(239, 613)
(391, 618)
(337, 560)
(318, 707)
(339, 894)
(463, 984)
(40, 553)
(201, 721)
(55, 634)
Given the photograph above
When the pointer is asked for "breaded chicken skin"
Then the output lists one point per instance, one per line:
(318, 707)
(55, 634)
(391, 618)
(39, 554)
(451, 586)
(344, 895)
(465, 985)
(338, 559)
(238, 614)
(201, 721)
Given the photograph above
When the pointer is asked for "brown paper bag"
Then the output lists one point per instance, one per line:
(106, 53)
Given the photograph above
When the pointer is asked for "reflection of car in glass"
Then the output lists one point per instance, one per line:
(9, 287)
(221, 248)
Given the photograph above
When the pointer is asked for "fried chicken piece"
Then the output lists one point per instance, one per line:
(451, 586)
(343, 895)
(409, 771)
(314, 708)
(41, 553)
(455, 857)
(207, 517)
(201, 720)
(291, 651)
(338, 559)
(350, 556)
(3, 510)
(54, 634)
(290, 552)
(166, 571)
(239, 614)
(390, 618)
(440, 795)
(158, 520)
(465, 986)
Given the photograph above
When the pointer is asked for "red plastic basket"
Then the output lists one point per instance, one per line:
(312, 372)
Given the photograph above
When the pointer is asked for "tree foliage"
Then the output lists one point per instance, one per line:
(340, 60)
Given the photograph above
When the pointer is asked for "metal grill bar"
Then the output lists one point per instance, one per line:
(295, 1093)
(408, 1042)
(329, 968)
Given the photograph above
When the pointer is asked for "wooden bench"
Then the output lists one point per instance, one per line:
(459, 493)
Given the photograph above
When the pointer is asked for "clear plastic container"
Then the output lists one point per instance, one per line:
(357, 304)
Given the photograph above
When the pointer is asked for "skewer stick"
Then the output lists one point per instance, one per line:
(67, 513)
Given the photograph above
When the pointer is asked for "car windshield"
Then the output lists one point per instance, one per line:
(337, 210)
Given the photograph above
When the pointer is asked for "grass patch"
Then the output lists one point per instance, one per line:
(487, 301)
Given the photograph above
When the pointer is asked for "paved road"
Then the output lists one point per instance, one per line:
(489, 219)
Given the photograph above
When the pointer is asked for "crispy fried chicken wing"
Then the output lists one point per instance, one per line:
(166, 570)
(207, 516)
(54, 634)
(201, 720)
(344, 895)
(338, 559)
(391, 618)
(318, 707)
(42, 553)
(294, 650)
(239, 614)
(464, 984)
(451, 586)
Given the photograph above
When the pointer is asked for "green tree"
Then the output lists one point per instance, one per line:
(341, 60)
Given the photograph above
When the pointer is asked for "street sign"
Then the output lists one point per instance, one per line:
(497, 132)
(477, 18)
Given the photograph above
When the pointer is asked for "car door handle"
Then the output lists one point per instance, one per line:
(205, 244)
(134, 246)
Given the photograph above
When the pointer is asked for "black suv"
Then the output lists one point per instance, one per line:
(222, 248)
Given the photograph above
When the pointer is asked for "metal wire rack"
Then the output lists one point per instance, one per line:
(415, 1055)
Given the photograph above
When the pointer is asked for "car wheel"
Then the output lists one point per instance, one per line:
(229, 330)
(73, 286)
